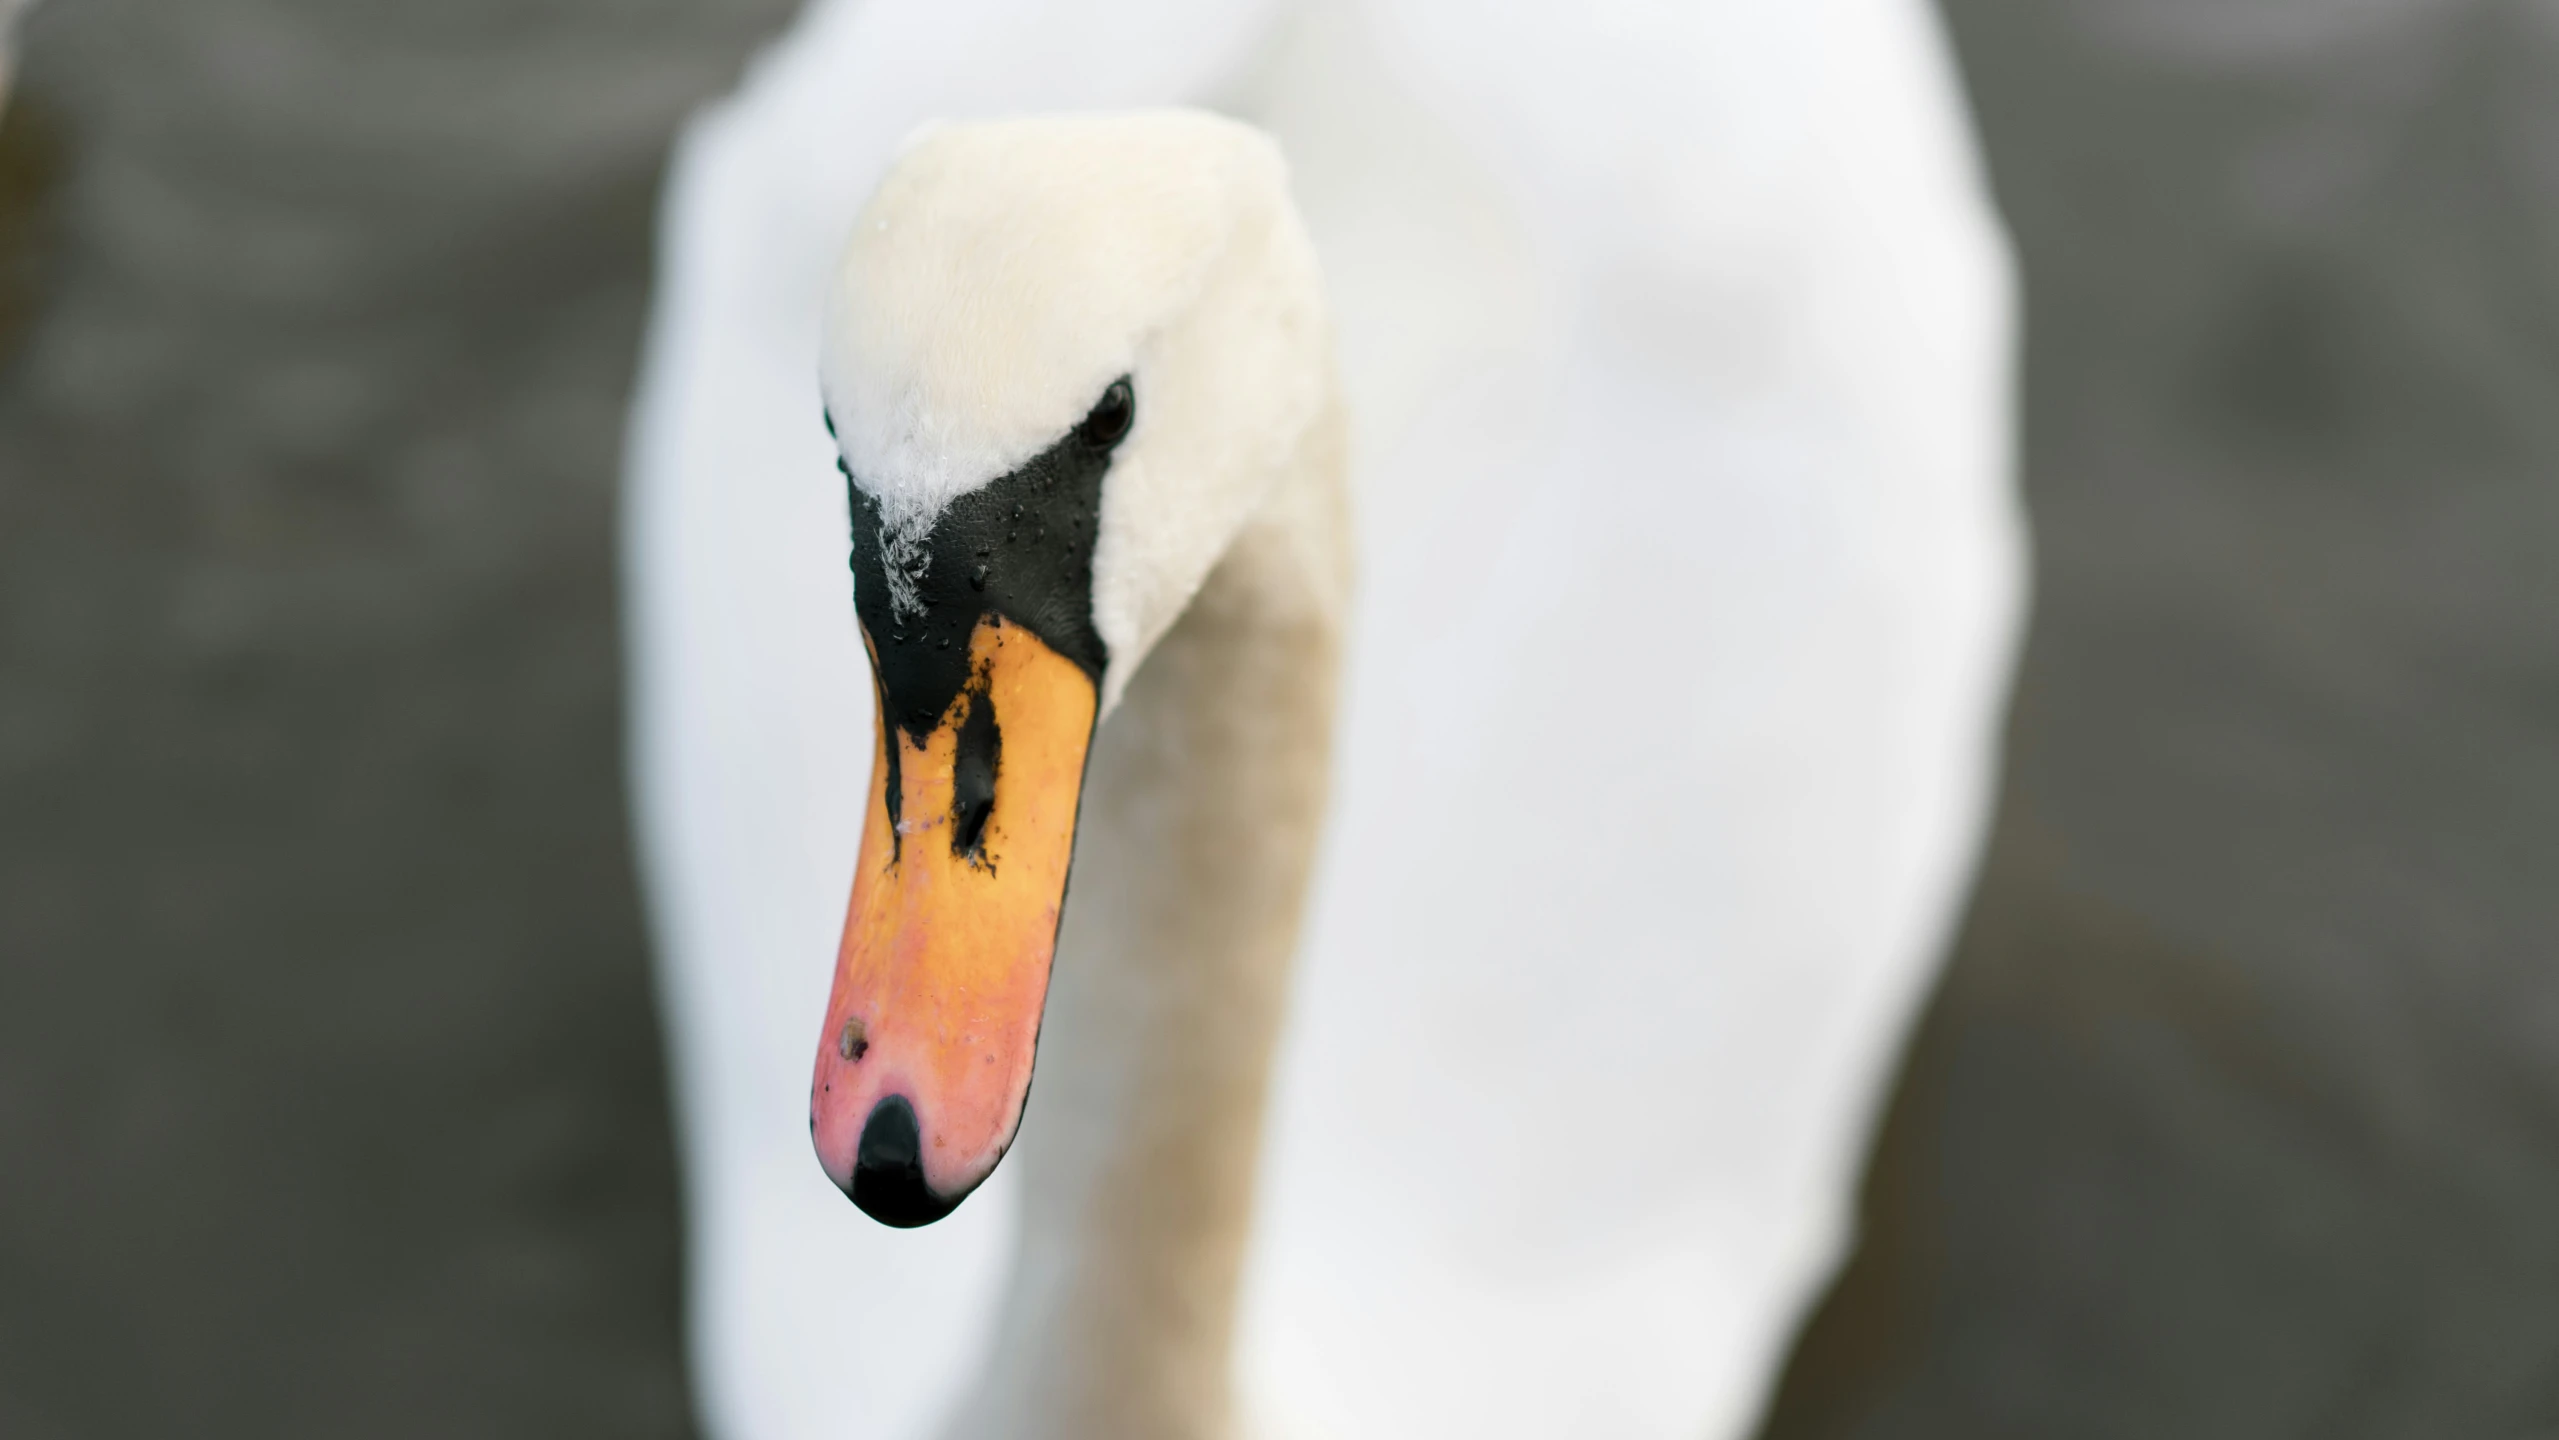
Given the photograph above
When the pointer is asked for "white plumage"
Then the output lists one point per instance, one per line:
(1676, 341)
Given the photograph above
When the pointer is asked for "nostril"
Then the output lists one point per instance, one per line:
(888, 1172)
(977, 756)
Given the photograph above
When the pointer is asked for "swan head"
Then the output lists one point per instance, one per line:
(1065, 361)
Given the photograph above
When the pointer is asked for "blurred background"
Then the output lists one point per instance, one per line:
(330, 1098)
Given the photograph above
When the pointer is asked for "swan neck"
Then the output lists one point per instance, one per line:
(1138, 1148)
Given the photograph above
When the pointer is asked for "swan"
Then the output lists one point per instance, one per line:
(1673, 356)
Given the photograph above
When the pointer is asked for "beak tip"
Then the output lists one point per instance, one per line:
(888, 1172)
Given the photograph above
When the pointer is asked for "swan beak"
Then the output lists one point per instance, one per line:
(926, 1056)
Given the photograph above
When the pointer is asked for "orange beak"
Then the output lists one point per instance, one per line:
(925, 1059)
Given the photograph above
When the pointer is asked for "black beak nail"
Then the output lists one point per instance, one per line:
(888, 1172)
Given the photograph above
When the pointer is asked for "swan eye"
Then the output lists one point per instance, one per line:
(1111, 417)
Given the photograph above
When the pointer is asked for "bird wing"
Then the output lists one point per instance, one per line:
(1677, 343)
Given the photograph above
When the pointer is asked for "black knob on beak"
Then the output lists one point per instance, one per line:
(888, 1173)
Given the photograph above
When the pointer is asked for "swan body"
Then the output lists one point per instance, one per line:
(1675, 355)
